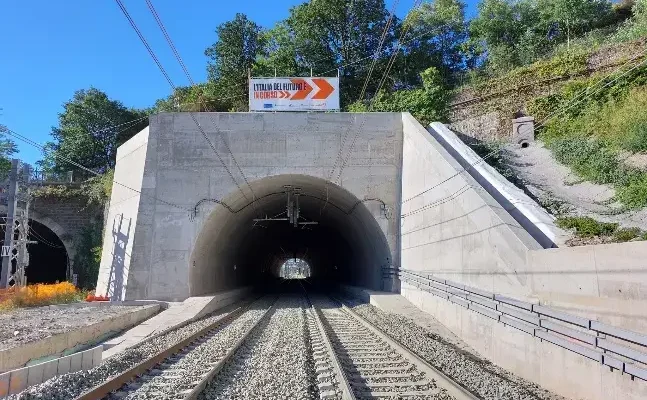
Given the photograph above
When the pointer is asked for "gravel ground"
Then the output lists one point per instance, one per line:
(30, 324)
(180, 375)
(71, 385)
(546, 177)
(478, 375)
(273, 362)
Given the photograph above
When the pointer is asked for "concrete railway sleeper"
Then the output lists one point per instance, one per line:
(376, 366)
(183, 370)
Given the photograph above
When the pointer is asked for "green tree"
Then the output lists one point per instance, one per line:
(278, 55)
(499, 29)
(7, 149)
(201, 97)
(90, 129)
(426, 104)
(565, 19)
(435, 38)
(230, 58)
(344, 34)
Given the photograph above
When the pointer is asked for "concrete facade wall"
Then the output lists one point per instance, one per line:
(180, 169)
(458, 232)
(456, 229)
(122, 217)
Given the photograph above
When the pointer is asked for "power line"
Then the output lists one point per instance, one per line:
(25, 139)
(379, 49)
(188, 75)
(170, 82)
(372, 101)
(572, 103)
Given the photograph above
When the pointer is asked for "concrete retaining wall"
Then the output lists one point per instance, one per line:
(537, 360)
(450, 224)
(530, 215)
(18, 356)
(15, 381)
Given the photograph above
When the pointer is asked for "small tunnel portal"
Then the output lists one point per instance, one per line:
(48, 259)
(246, 241)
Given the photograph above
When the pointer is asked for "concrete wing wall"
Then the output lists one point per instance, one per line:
(530, 215)
(451, 226)
(122, 217)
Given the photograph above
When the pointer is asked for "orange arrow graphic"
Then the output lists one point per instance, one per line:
(303, 93)
(325, 89)
(286, 94)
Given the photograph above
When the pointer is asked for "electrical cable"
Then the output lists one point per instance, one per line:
(188, 75)
(572, 103)
(170, 82)
(372, 101)
(25, 139)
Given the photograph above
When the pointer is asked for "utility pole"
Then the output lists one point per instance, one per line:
(8, 245)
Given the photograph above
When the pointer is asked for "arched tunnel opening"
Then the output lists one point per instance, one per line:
(47, 256)
(48, 259)
(245, 242)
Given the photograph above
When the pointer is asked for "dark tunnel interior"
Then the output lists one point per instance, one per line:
(336, 234)
(47, 255)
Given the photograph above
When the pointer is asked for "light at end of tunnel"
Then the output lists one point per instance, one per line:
(295, 268)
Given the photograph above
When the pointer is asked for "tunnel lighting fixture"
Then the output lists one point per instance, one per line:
(292, 210)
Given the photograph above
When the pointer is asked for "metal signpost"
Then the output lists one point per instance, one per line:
(294, 94)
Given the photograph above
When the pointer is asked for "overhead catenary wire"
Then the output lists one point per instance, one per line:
(415, 5)
(571, 103)
(170, 82)
(25, 139)
(379, 48)
(153, 11)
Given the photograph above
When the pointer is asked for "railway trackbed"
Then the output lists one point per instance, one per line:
(293, 345)
(371, 365)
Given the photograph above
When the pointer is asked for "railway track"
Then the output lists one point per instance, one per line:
(236, 357)
(368, 364)
(184, 369)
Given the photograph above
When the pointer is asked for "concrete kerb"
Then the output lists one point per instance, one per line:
(19, 356)
(15, 381)
(217, 302)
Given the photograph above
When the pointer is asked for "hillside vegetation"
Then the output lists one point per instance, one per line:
(416, 63)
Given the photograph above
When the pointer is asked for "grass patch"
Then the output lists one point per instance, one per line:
(587, 227)
(626, 234)
(41, 295)
(596, 128)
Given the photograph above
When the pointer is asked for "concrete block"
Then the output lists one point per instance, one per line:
(35, 374)
(18, 380)
(76, 362)
(96, 356)
(87, 358)
(50, 369)
(4, 384)
(64, 365)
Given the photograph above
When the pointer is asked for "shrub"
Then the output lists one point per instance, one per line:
(43, 294)
(586, 226)
(626, 234)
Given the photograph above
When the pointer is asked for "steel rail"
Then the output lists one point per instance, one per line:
(208, 377)
(116, 382)
(451, 386)
(342, 380)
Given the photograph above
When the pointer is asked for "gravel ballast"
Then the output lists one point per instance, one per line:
(26, 325)
(478, 375)
(174, 377)
(71, 385)
(273, 362)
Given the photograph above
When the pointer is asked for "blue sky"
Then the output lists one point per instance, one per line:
(49, 49)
